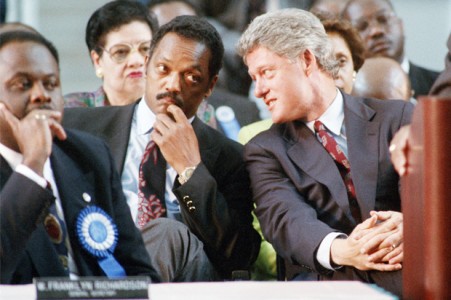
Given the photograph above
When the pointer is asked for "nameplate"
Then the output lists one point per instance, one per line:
(92, 288)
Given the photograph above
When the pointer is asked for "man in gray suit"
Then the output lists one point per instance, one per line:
(335, 211)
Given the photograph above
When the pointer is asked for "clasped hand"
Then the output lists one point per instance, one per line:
(375, 244)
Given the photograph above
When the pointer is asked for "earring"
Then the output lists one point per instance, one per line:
(354, 74)
(99, 72)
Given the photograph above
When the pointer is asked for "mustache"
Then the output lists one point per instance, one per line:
(176, 97)
(46, 106)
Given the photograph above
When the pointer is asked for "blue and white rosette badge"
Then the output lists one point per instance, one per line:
(98, 235)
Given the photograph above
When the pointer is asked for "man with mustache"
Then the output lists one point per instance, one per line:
(201, 228)
(52, 178)
(382, 32)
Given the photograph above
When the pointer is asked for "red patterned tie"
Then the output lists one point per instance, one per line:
(343, 166)
(152, 166)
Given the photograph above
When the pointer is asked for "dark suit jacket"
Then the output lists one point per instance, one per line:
(219, 188)
(81, 164)
(298, 190)
(421, 79)
(442, 86)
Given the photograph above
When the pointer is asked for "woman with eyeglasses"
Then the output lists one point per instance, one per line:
(118, 37)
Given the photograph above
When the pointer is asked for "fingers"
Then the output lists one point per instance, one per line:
(384, 267)
(53, 119)
(381, 255)
(398, 150)
(385, 215)
(177, 113)
(393, 240)
(394, 254)
(384, 235)
(375, 242)
(58, 130)
(362, 229)
(397, 258)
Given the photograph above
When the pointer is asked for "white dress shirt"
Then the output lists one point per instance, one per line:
(333, 120)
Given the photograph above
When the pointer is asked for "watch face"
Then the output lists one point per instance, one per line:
(189, 172)
(186, 174)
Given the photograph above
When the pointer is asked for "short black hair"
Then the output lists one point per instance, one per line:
(26, 36)
(113, 15)
(197, 29)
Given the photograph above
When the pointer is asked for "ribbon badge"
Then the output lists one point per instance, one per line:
(98, 235)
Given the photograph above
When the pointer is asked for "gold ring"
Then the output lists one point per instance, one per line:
(393, 247)
(40, 117)
(392, 148)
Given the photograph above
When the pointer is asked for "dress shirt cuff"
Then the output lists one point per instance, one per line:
(323, 254)
(30, 174)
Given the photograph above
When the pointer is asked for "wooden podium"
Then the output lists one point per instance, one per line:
(426, 202)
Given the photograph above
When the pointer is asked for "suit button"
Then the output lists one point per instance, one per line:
(191, 209)
(186, 198)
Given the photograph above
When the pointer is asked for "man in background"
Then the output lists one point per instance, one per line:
(383, 34)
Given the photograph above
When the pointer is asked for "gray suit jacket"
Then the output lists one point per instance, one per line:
(219, 188)
(298, 190)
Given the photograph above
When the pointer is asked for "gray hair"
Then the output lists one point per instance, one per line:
(288, 33)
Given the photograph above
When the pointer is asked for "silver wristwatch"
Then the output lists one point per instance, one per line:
(186, 174)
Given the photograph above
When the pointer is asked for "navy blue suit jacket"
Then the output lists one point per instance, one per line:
(81, 164)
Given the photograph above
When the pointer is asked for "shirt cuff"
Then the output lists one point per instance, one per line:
(30, 174)
(323, 254)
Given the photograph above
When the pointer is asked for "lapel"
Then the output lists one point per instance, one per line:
(309, 155)
(119, 134)
(362, 137)
(207, 143)
(73, 180)
(362, 134)
(5, 171)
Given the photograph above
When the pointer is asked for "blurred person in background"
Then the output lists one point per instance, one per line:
(118, 37)
(382, 78)
(382, 32)
(329, 8)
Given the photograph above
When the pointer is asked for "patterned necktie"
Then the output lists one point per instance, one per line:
(343, 166)
(56, 229)
(152, 175)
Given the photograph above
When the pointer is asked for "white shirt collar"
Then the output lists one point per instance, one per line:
(145, 118)
(12, 157)
(333, 117)
(405, 65)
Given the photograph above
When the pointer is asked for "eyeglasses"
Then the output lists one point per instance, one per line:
(382, 19)
(120, 52)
